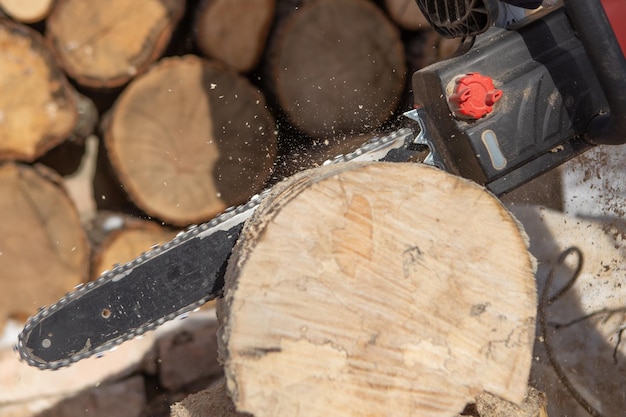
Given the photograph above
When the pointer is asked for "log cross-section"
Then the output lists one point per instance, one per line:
(27, 11)
(336, 67)
(190, 138)
(377, 290)
(234, 31)
(106, 43)
(44, 251)
(37, 104)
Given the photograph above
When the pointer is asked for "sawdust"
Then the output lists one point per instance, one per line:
(595, 189)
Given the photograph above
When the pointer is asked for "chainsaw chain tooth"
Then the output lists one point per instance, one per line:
(190, 232)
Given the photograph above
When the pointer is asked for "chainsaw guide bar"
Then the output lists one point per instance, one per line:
(164, 283)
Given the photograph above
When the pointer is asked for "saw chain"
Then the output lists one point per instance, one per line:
(168, 281)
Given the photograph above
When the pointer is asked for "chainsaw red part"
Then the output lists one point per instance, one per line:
(616, 13)
(474, 96)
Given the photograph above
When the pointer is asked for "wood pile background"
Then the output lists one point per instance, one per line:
(122, 122)
(195, 106)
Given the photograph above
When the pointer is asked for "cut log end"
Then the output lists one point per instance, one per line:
(37, 106)
(234, 31)
(409, 290)
(105, 44)
(44, 251)
(31, 11)
(337, 67)
(186, 152)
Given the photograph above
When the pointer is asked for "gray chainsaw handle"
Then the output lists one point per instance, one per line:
(597, 36)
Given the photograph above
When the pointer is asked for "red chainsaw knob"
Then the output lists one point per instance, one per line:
(474, 96)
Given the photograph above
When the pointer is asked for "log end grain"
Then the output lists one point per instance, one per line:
(190, 138)
(105, 44)
(37, 107)
(234, 31)
(408, 292)
(44, 251)
(27, 11)
(337, 67)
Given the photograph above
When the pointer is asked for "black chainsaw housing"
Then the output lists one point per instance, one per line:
(550, 94)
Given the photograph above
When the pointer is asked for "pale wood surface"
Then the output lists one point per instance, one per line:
(381, 289)
(234, 31)
(27, 11)
(106, 43)
(43, 248)
(336, 67)
(190, 138)
(37, 107)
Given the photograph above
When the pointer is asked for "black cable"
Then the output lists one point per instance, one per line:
(544, 302)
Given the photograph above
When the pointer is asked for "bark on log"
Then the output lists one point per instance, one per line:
(377, 289)
(234, 31)
(67, 157)
(106, 43)
(37, 105)
(190, 138)
(29, 11)
(108, 193)
(336, 67)
(406, 14)
(43, 247)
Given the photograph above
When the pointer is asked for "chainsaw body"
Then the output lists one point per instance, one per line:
(524, 99)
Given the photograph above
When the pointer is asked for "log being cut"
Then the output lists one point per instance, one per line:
(377, 289)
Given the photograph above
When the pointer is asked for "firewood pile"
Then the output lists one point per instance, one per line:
(123, 122)
(196, 106)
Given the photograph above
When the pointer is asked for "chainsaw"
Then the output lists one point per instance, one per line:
(513, 103)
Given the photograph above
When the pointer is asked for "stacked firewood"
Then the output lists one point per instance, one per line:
(197, 105)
